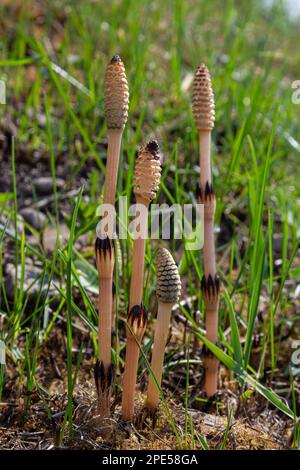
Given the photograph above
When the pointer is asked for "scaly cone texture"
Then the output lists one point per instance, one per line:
(168, 285)
(204, 116)
(116, 94)
(104, 371)
(116, 97)
(203, 100)
(168, 288)
(147, 172)
(146, 183)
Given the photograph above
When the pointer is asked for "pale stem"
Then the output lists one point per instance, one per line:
(157, 361)
(209, 248)
(129, 380)
(211, 315)
(114, 137)
(204, 156)
(211, 377)
(211, 323)
(105, 320)
(138, 261)
(136, 296)
(137, 279)
(104, 403)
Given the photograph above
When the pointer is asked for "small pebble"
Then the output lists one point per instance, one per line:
(34, 218)
(44, 185)
(50, 235)
(31, 281)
